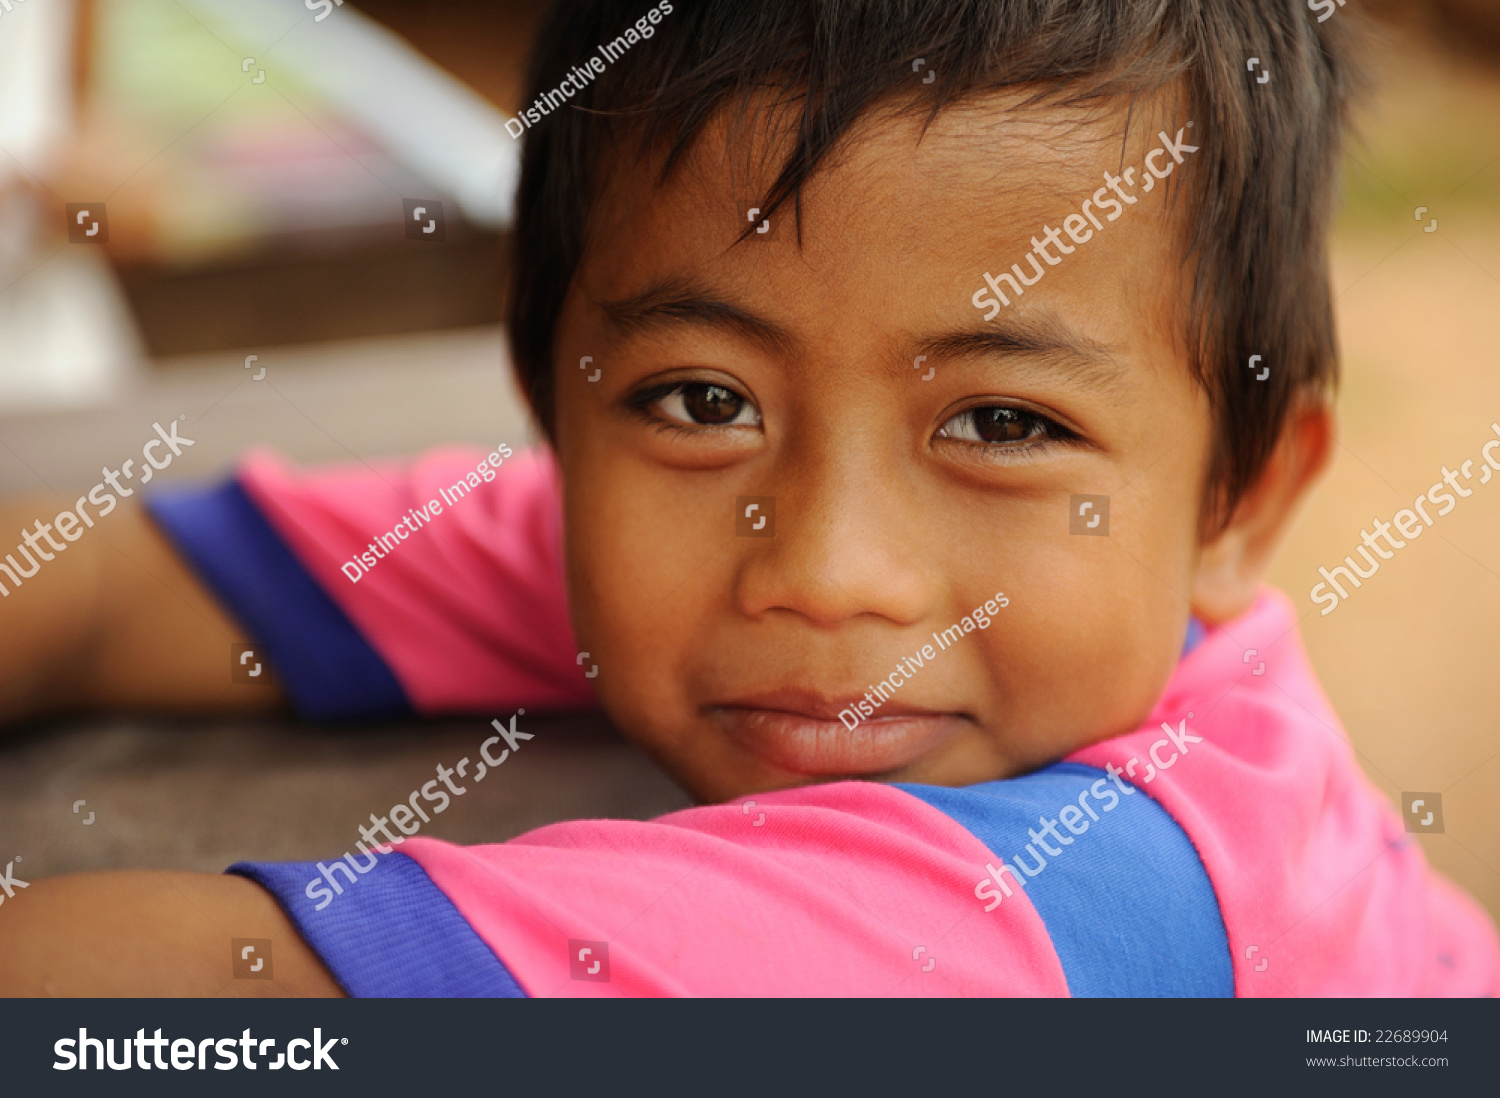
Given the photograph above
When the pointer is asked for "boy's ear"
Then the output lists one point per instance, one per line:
(1232, 562)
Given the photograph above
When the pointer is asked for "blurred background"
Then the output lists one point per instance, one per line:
(252, 166)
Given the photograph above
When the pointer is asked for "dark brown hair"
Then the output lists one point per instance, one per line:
(1258, 200)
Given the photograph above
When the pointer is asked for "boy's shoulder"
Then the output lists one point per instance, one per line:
(1322, 891)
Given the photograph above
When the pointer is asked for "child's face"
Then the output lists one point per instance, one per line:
(907, 493)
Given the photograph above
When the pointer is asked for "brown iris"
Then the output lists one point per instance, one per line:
(711, 404)
(1003, 424)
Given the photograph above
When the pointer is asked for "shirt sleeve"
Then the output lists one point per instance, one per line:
(428, 586)
(850, 889)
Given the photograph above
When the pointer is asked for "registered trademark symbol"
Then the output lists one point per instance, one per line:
(343, 1040)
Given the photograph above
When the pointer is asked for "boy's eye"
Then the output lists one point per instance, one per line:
(999, 425)
(704, 404)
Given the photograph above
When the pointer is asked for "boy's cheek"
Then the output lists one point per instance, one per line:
(1081, 652)
(642, 575)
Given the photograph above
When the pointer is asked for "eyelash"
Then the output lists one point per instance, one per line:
(1049, 431)
(1046, 432)
(640, 404)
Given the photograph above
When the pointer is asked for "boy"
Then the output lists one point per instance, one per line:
(850, 518)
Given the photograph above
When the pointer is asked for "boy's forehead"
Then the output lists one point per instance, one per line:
(917, 205)
(997, 146)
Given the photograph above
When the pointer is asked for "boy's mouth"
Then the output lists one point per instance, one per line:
(801, 732)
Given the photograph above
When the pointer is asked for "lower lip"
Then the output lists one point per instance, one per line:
(807, 745)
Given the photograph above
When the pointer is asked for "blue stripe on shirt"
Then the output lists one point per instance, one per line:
(1127, 902)
(388, 932)
(1196, 634)
(328, 669)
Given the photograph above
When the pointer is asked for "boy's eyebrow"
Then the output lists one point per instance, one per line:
(680, 301)
(1089, 362)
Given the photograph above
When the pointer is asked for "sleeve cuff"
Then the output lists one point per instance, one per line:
(385, 932)
(328, 669)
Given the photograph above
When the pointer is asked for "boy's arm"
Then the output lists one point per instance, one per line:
(148, 934)
(402, 586)
(115, 620)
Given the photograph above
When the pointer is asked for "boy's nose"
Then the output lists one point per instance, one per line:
(848, 542)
